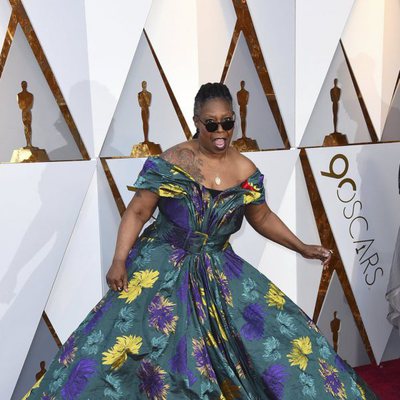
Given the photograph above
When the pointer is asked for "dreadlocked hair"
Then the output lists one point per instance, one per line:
(207, 92)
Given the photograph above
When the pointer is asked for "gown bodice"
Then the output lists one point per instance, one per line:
(188, 207)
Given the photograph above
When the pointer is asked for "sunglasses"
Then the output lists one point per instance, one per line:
(226, 124)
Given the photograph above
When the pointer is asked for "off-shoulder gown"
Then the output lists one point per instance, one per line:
(198, 321)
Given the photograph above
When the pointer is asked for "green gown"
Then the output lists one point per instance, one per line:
(198, 321)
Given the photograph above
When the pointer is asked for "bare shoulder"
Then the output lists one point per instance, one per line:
(184, 155)
(242, 164)
(174, 154)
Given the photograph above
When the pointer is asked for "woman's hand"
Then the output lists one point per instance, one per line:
(117, 277)
(317, 252)
(138, 212)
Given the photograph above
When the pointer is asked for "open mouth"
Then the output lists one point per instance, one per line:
(220, 143)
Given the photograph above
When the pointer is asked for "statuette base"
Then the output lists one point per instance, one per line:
(29, 154)
(145, 149)
(335, 139)
(246, 144)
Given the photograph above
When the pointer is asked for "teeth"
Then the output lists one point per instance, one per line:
(219, 142)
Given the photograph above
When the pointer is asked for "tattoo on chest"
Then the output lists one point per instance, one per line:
(187, 160)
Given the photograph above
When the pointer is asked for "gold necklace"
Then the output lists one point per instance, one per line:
(217, 178)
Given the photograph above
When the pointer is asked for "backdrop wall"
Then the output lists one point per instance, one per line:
(85, 62)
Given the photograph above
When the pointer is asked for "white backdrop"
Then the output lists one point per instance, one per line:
(49, 129)
(59, 220)
(358, 187)
(260, 123)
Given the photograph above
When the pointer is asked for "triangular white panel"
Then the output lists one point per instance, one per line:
(61, 30)
(125, 172)
(351, 121)
(215, 24)
(349, 342)
(126, 127)
(358, 186)
(391, 55)
(80, 271)
(274, 23)
(371, 43)
(392, 350)
(363, 43)
(391, 131)
(175, 21)
(277, 167)
(49, 129)
(109, 220)
(319, 26)
(43, 348)
(260, 120)
(113, 32)
(5, 13)
(40, 204)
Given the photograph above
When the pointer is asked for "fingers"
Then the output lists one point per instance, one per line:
(120, 284)
(320, 253)
(117, 285)
(326, 256)
(125, 283)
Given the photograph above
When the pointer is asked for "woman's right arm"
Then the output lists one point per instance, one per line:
(138, 212)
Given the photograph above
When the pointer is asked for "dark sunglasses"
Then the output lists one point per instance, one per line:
(226, 124)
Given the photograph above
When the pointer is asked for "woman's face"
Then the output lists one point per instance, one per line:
(214, 110)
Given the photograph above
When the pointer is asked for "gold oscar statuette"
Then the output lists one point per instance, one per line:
(28, 153)
(145, 148)
(244, 143)
(335, 138)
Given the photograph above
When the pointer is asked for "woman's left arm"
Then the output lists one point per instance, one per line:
(269, 225)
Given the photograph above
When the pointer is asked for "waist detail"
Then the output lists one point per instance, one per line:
(194, 242)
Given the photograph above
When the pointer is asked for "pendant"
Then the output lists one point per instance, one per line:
(217, 180)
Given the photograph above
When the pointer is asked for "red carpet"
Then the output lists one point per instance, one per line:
(384, 380)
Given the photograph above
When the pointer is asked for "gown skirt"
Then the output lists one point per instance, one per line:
(197, 321)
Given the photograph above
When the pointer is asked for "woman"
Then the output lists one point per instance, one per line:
(186, 318)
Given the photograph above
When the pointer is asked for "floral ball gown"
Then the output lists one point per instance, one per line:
(197, 322)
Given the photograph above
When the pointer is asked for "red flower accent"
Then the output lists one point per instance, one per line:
(247, 186)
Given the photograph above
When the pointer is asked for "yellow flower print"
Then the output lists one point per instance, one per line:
(239, 370)
(214, 313)
(203, 296)
(254, 192)
(170, 190)
(118, 354)
(362, 392)
(203, 361)
(225, 289)
(176, 169)
(36, 385)
(141, 279)
(301, 349)
(275, 297)
(210, 340)
(250, 197)
(161, 314)
(332, 382)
